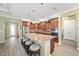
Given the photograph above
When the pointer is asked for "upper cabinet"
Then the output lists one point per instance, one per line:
(32, 26)
(47, 25)
(42, 25)
(53, 22)
(25, 23)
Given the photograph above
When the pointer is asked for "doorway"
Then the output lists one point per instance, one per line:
(69, 29)
(13, 29)
(69, 32)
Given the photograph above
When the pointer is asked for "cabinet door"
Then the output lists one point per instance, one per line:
(54, 22)
(52, 45)
(32, 26)
(47, 25)
(42, 25)
(23, 23)
(2, 31)
(36, 25)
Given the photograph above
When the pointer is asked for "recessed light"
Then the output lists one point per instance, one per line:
(54, 8)
(42, 3)
(33, 10)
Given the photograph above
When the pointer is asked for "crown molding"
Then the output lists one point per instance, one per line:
(6, 11)
(9, 16)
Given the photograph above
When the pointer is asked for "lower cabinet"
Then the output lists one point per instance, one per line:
(52, 44)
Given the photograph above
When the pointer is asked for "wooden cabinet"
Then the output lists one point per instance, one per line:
(42, 25)
(54, 22)
(36, 25)
(32, 26)
(25, 23)
(52, 44)
(47, 25)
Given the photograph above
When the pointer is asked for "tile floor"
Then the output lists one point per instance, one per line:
(68, 48)
(13, 47)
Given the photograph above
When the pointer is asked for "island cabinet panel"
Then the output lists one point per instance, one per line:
(52, 44)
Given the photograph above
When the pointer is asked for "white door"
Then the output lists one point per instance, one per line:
(12, 29)
(69, 29)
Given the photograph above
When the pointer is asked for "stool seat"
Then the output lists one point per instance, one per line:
(24, 40)
(34, 47)
(29, 42)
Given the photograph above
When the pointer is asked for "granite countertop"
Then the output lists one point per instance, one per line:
(47, 32)
(40, 37)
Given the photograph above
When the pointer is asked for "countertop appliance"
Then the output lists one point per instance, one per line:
(54, 31)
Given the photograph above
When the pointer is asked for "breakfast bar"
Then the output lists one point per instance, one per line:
(44, 41)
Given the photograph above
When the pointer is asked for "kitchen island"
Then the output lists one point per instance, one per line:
(44, 41)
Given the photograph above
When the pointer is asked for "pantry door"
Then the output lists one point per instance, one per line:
(69, 29)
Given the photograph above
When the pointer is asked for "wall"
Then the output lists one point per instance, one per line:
(4, 26)
(2, 29)
(77, 35)
(19, 28)
(14, 21)
(6, 30)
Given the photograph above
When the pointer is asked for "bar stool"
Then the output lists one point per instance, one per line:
(34, 50)
(24, 40)
(27, 45)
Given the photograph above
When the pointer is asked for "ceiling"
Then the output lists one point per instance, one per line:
(36, 11)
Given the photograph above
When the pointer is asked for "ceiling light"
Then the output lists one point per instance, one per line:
(33, 10)
(42, 3)
(42, 19)
(54, 8)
